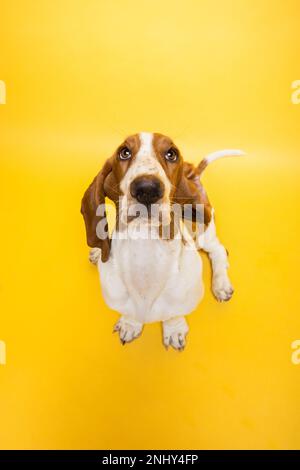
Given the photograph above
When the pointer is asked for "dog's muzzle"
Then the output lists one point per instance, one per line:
(147, 189)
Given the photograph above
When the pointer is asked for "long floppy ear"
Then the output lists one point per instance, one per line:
(93, 197)
(190, 191)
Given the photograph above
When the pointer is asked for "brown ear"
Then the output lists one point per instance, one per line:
(190, 191)
(93, 197)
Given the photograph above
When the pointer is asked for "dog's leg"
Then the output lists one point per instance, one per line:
(221, 285)
(128, 329)
(174, 333)
(94, 255)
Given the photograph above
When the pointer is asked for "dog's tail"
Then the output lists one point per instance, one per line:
(216, 155)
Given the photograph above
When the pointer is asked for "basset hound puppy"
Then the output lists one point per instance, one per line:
(149, 265)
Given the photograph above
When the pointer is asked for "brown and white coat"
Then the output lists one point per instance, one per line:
(145, 278)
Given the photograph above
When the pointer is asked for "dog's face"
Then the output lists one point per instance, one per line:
(151, 165)
(145, 169)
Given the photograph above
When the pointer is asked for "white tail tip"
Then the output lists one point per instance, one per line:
(223, 153)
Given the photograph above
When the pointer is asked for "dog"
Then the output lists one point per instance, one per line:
(150, 278)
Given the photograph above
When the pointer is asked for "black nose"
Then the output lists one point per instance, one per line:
(147, 189)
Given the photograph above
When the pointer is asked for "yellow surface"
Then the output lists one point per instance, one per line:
(80, 75)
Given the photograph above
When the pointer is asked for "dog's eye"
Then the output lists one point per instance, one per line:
(124, 153)
(171, 155)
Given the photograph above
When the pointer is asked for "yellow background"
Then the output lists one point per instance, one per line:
(80, 76)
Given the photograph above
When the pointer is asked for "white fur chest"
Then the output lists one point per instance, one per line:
(151, 279)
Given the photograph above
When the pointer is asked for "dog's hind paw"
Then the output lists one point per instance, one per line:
(222, 288)
(94, 255)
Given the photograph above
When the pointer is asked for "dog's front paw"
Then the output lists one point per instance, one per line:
(222, 287)
(174, 333)
(94, 255)
(128, 329)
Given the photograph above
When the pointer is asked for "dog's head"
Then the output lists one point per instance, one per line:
(145, 169)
